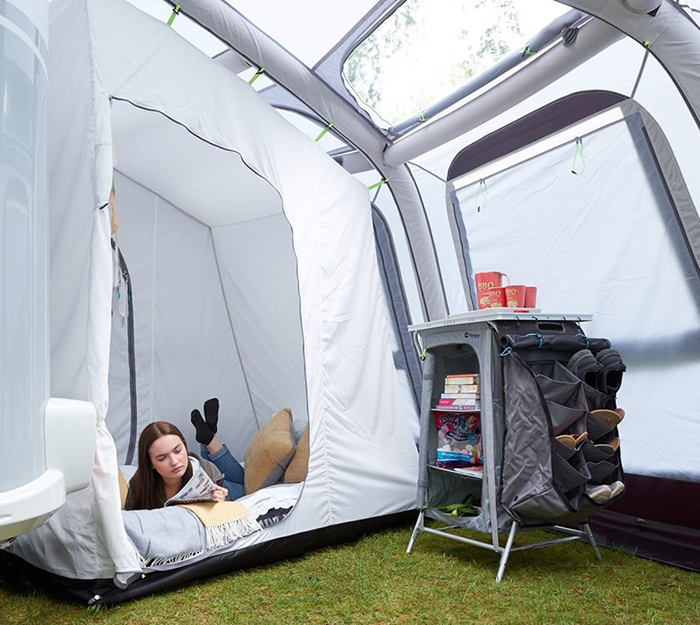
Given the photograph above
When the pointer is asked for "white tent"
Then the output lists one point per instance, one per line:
(254, 275)
(252, 261)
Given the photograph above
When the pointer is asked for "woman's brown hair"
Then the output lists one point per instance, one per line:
(146, 489)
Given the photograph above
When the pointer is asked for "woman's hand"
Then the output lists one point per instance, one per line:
(219, 494)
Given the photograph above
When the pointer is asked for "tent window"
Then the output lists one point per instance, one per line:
(608, 242)
(427, 49)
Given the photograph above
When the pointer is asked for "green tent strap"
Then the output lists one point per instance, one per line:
(257, 75)
(422, 118)
(480, 196)
(323, 132)
(646, 44)
(579, 154)
(378, 184)
(529, 50)
(174, 14)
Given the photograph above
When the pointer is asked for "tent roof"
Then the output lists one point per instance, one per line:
(323, 44)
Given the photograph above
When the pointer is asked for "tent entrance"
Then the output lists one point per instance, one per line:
(212, 268)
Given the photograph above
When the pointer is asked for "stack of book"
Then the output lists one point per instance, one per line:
(461, 393)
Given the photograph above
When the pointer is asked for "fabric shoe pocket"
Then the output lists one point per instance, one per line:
(594, 398)
(565, 419)
(564, 393)
(572, 473)
(602, 472)
(563, 451)
(596, 428)
(593, 454)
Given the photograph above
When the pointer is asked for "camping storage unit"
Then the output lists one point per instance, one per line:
(250, 273)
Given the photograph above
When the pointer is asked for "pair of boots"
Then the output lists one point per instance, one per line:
(603, 371)
(206, 428)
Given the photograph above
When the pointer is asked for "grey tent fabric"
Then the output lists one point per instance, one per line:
(406, 358)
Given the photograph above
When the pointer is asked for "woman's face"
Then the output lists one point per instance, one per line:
(168, 456)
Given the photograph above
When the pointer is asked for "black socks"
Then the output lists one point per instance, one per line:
(211, 413)
(205, 431)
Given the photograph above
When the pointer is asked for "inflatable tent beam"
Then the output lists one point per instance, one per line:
(260, 50)
(551, 33)
(593, 37)
(663, 32)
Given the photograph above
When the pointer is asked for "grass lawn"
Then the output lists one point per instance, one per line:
(373, 581)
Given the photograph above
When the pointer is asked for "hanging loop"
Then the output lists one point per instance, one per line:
(578, 155)
(323, 132)
(481, 196)
(378, 184)
(257, 75)
(583, 336)
(174, 14)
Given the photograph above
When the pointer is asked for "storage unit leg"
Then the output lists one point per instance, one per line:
(506, 552)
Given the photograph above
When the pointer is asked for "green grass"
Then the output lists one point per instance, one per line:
(374, 581)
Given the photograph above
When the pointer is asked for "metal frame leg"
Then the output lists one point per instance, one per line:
(506, 552)
(591, 541)
(418, 527)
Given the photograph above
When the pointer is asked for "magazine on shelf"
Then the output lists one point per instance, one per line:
(473, 471)
(198, 489)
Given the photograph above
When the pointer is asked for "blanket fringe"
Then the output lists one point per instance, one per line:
(225, 533)
(177, 559)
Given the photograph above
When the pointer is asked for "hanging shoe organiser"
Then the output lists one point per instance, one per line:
(561, 451)
(551, 453)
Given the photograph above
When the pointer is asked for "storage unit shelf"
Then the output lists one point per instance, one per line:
(455, 472)
(445, 409)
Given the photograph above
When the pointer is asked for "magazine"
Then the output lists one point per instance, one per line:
(198, 488)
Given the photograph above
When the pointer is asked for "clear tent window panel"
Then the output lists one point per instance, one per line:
(425, 50)
(606, 242)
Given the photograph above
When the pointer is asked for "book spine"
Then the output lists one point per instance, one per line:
(461, 388)
(462, 379)
(471, 396)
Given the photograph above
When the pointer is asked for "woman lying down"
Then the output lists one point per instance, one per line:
(165, 465)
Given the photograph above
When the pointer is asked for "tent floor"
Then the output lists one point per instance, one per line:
(17, 573)
(668, 544)
(657, 518)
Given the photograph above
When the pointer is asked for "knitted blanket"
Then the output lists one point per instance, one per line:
(224, 522)
(168, 537)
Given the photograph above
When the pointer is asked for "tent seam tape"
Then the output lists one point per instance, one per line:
(324, 341)
(233, 331)
(153, 302)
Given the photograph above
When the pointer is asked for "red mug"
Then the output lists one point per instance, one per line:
(484, 281)
(496, 297)
(515, 296)
(530, 297)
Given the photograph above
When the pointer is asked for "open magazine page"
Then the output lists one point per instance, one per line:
(198, 488)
